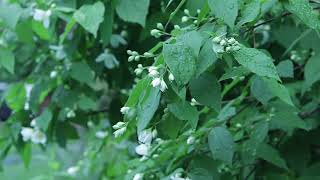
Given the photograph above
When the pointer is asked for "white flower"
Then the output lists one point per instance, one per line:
(33, 123)
(72, 170)
(231, 40)
(120, 132)
(42, 16)
(191, 140)
(142, 149)
(156, 82)
(216, 39)
(118, 125)
(38, 137)
(154, 133)
(101, 134)
(138, 71)
(163, 86)
(53, 74)
(145, 136)
(184, 19)
(28, 88)
(138, 176)
(71, 114)
(125, 110)
(194, 102)
(26, 133)
(153, 73)
(223, 42)
(171, 77)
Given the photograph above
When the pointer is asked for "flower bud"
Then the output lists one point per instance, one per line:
(191, 140)
(120, 132)
(160, 26)
(125, 110)
(131, 58)
(186, 11)
(184, 19)
(118, 125)
(171, 77)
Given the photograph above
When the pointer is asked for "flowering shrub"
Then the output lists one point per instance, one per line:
(162, 89)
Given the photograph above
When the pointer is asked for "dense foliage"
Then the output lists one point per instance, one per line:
(162, 89)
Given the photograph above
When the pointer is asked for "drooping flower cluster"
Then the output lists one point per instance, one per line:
(222, 45)
(120, 128)
(145, 138)
(33, 133)
(157, 79)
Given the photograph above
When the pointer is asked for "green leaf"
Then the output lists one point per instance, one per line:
(207, 57)
(184, 111)
(181, 61)
(207, 91)
(221, 144)
(285, 69)
(7, 59)
(170, 126)
(193, 39)
(136, 92)
(133, 11)
(147, 106)
(81, 72)
(40, 30)
(257, 62)
(279, 90)
(268, 153)
(107, 24)
(15, 96)
(90, 16)
(260, 90)
(44, 119)
(85, 103)
(250, 12)
(227, 10)
(311, 71)
(10, 14)
(304, 11)
(234, 72)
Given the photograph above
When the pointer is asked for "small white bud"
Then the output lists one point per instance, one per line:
(125, 110)
(119, 132)
(163, 86)
(216, 39)
(129, 52)
(154, 133)
(135, 53)
(72, 170)
(138, 176)
(195, 22)
(191, 140)
(53, 74)
(184, 19)
(138, 71)
(231, 40)
(148, 54)
(176, 27)
(198, 11)
(155, 32)
(160, 26)
(118, 125)
(171, 77)
(71, 114)
(131, 58)
(137, 58)
(194, 102)
(223, 42)
(33, 123)
(140, 66)
(153, 73)
(186, 11)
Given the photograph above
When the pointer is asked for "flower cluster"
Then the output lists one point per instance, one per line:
(157, 79)
(134, 55)
(188, 17)
(145, 138)
(120, 127)
(33, 133)
(225, 44)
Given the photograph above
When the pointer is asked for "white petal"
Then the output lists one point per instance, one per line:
(142, 149)
(145, 136)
